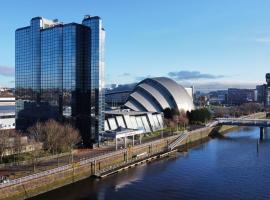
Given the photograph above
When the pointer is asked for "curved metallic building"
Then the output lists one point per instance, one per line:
(156, 94)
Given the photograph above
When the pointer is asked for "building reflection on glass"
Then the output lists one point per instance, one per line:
(60, 74)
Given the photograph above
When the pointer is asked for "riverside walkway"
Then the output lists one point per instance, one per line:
(94, 158)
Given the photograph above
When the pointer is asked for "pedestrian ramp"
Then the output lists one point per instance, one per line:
(178, 140)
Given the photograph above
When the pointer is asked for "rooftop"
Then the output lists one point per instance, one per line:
(125, 112)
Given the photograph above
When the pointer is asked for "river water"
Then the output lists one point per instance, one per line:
(223, 168)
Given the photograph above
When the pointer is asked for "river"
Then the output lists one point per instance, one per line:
(222, 168)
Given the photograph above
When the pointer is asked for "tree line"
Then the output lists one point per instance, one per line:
(237, 111)
(175, 118)
(179, 119)
(9, 139)
(55, 138)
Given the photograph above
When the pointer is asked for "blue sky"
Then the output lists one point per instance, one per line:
(209, 43)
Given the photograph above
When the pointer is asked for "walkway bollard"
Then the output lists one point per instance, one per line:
(261, 133)
(95, 167)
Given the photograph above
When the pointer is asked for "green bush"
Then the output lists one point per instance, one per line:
(199, 116)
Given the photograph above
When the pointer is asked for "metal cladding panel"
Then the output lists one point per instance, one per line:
(112, 123)
(131, 105)
(106, 126)
(156, 121)
(143, 101)
(133, 121)
(120, 121)
(140, 123)
(146, 124)
(152, 122)
(128, 122)
(152, 94)
(160, 119)
(180, 95)
(156, 94)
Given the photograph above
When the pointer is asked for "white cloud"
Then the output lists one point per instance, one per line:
(7, 71)
(263, 40)
(192, 75)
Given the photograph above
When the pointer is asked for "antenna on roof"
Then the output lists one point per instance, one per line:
(87, 16)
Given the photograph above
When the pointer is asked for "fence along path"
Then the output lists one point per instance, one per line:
(82, 161)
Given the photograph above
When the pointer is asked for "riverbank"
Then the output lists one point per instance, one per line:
(99, 166)
(225, 166)
(39, 183)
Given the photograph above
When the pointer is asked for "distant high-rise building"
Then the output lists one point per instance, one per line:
(267, 77)
(263, 92)
(218, 97)
(239, 96)
(60, 74)
(260, 93)
(266, 91)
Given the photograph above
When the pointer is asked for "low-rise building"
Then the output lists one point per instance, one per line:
(146, 121)
(7, 101)
(13, 146)
(7, 120)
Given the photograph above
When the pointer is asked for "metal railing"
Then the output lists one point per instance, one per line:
(178, 140)
(81, 162)
(242, 119)
(29, 162)
(130, 161)
(245, 121)
(34, 176)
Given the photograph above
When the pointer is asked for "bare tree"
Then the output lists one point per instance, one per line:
(4, 138)
(183, 120)
(56, 137)
(180, 119)
(53, 136)
(5, 144)
(249, 108)
(18, 144)
(36, 132)
(175, 119)
(220, 111)
(72, 136)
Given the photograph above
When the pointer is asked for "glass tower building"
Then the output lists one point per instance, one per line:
(60, 74)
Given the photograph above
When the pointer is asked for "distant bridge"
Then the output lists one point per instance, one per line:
(244, 122)
(262, 123)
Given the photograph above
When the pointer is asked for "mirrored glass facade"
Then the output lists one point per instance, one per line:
(96, 81)
(60, 74)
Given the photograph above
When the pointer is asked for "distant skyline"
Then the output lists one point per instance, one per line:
(209, 44)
